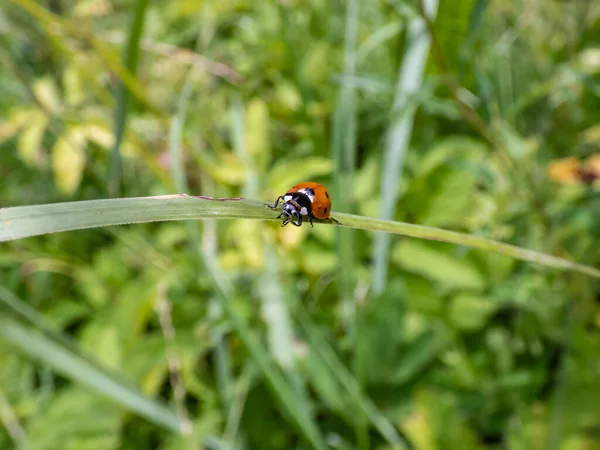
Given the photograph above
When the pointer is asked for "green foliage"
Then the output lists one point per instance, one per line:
(239, 334)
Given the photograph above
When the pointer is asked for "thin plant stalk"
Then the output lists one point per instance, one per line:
(274, 379)
(344, 155)
(131, 58)
(410, 79)
(26, 221)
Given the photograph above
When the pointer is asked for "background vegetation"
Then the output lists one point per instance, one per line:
(240, 334)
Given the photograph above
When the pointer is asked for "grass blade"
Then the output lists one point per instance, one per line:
(11, 423)
(344, 154)
(72, 365)
(122, 95)
(26, 221)
(273, 377)
(409, 82)
(338, 371)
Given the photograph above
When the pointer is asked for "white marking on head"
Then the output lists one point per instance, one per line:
(287, 198)
(304, 211)
(309, 193)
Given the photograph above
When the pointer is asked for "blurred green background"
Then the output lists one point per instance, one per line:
(248, 336)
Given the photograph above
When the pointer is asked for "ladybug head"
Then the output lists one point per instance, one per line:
(291, 211)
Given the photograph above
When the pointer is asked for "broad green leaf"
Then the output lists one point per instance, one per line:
(380, 332)
(452, 199)
(436, 265)
(101, 339)
(314, 67)
(518, 147)
(315, 260)
(421, 296)
(444, 191)
(418, 354)
(436, 424)
(470, 312)
(77, 419)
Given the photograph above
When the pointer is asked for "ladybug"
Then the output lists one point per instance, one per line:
(306, 199)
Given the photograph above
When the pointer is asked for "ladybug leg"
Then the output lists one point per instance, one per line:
(310, 219)
(298, 219)
(334, 220)
(276, 203)
(285, 221)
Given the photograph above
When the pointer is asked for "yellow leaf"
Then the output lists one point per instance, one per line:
(68, 161)
(92, 8)
(257, 127)
(287, 97)
(288, 172)
(230, 170)
(46, 93)
(74, 94)
(246, 236)
(418, 425)
(101, 135)
(17, 119)
(29, 145)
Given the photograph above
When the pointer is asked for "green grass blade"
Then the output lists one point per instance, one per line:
(72, 365)
(11, 423)
(273, 377)
(409, 83)
(438, 234)
(26, 221)
(338, 371)
(343, 146)
(277, 383)
(122, 95)
(202, 259)
(238, 135)
(344, 154)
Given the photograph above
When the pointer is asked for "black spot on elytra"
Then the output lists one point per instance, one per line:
(326, 195)
(325, 210)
